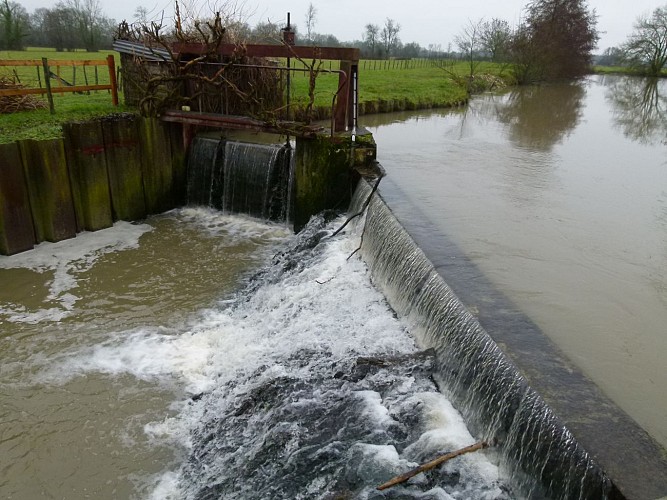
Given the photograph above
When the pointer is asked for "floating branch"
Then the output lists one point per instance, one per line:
(432, 464)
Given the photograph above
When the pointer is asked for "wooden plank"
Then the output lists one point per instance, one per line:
(27, 62)
(47, 177)
(123, 152)
(88, 172)
(53, 62)
(157, 167)
(16, 228)
(73, 88)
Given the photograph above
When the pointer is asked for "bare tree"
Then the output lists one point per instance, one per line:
(89, 20)
(389, 35)
(371, 37)
(311, 15)
(469, 42)
(267, 32)
(141, 14)
(646, 47)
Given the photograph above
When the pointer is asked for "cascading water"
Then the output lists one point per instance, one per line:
(301, 384)
(315, 390)
(240, 177)
(470, 368)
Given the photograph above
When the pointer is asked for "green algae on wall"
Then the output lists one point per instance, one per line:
(16, 228)
(120, 167)
(325, 172)
(157, 167)
(88, 174)
(47, 177)
(123, 153)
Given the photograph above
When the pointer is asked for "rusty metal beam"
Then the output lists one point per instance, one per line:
(238, 123)
(251, 50)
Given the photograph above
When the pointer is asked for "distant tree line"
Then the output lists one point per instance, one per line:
(69, 25)
(554, 40)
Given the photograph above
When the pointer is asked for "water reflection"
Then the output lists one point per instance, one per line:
(639, 107)
(540, 117)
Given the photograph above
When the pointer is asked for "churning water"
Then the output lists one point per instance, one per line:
(201, 355)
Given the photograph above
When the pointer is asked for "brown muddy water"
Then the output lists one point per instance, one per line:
(558, 193)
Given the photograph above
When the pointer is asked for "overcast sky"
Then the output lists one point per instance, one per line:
(422, 21)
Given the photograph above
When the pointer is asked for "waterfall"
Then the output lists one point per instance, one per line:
(241, 178)
(470, 369)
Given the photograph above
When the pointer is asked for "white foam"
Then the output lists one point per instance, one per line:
(66, 259)
(234, 227)
(328, 307)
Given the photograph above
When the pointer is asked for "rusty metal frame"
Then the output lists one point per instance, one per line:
(345, 101)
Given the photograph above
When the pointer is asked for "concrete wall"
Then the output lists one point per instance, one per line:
(326, 172)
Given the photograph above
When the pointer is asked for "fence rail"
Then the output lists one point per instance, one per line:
(63, 86)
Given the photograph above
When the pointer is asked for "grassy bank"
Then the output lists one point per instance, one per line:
(621, 70)
(380, 90)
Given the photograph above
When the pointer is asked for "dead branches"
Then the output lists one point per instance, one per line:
(433, 464)
(162, 78)
(363, 208)
(14, 103)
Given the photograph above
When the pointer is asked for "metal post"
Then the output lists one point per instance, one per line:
(288, 39)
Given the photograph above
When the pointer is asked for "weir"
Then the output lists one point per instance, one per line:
(492, 387)
(560, 436)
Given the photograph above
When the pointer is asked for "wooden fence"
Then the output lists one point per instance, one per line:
(62, 85)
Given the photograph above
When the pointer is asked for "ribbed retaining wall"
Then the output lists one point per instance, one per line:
(120, 167)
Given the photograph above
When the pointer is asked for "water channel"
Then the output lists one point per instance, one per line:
(558, 193)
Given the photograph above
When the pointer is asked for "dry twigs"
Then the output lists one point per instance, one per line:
(14, 103)
(432, 464)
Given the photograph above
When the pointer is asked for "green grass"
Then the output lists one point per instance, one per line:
(621, 70)
(41, 124)
(422, 86)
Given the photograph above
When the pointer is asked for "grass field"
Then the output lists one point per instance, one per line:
(422, 84)
(40, 124)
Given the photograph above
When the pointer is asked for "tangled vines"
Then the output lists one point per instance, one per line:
(204, 82)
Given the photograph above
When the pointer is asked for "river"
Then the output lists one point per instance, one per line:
(558, 193)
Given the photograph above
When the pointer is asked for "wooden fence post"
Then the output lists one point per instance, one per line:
(47, 82)
(112, 78)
